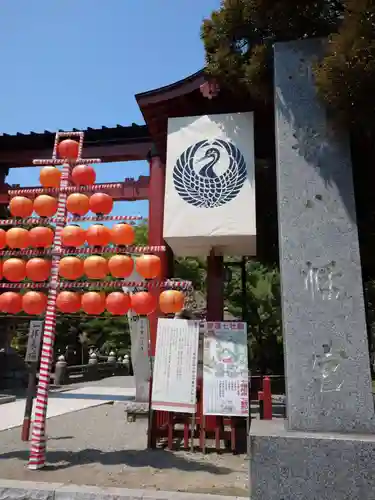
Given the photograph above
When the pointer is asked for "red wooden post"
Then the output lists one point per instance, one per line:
(215, 311)
(155, 237)
(267, 399)
(155, 231)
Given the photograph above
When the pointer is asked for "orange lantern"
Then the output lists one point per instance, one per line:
(68, 302)
(95, 267)
(143, 303)
(101, 203)
(10, 303)
(34, 302)
(83, 175)
(117, 303)
(120, 266)
(73, 236)
(98, 235)
(70, 268)
(38, 269)
(68, 149)
(14, 270)
(93, 302)
(17, 237)
(41, 237)
(20, 206)
(148, 266)
(45, 205)
(50, 177)
(171, 301)
(3, 238)
(78, 204)
(123, 234)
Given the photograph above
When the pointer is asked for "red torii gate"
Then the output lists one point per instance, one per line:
(149, 142)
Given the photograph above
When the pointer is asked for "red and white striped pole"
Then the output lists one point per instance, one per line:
(37, 457)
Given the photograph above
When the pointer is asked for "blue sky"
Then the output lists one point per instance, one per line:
(68, 64)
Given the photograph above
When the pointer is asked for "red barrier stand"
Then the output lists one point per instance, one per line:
(265, 399)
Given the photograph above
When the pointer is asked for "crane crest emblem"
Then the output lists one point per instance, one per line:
(204, 188)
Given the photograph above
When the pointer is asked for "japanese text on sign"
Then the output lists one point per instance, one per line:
(175, 369)
(33, 342)
(225, 369)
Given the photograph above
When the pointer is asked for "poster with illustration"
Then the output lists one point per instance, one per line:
(225, 369)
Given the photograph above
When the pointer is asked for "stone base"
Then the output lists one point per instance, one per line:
(289, 465)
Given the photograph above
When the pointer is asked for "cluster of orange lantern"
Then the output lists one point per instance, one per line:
(45, 205)
(71, 236)
(94, 303)
(73, 268)
(77, 203)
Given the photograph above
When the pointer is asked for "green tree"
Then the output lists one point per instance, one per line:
(238, 38)
(263, 314)
(346, 77)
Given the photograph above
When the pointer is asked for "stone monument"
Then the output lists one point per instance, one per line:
(326, 447)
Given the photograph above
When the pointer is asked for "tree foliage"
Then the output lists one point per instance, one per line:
(238, 38)
(346, 77)
(262, 314)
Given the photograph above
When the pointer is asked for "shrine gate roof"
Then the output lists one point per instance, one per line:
(137, 142)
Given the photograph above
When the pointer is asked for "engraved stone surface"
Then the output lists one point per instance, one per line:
(322, 296)
(288, 465)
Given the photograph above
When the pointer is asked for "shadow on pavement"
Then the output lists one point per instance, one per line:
(158, 459)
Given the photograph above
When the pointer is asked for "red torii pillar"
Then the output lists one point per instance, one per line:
(155, 237)
(155, 231)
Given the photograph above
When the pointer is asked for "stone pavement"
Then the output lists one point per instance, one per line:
(60, 403)
(21, 490)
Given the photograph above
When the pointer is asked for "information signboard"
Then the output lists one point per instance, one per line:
(225, 369)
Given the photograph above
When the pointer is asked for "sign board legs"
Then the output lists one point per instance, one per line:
(33, 369)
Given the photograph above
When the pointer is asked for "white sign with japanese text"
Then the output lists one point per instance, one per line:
(140, 336)
(34, 341)
(175, 369)
(225, 369)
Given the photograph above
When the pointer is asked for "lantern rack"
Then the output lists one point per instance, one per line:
(131, 219)
(65, 189)
(83, 251)
(72, 153)
(63, 285)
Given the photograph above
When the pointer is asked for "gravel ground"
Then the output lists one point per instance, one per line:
(97, 446)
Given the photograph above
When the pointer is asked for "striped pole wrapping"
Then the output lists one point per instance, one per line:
(83, 251)
(67, 189)
(115, 249)
(95, 284)
(54, 161)
(52, 220)
(37, 455)
(122, 283)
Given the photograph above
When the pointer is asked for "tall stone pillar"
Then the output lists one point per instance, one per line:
(321, 451)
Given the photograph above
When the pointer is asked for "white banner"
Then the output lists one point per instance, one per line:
(210, 185)
(225, 370)
(140, 338)
(33, 342)
(175, 369)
